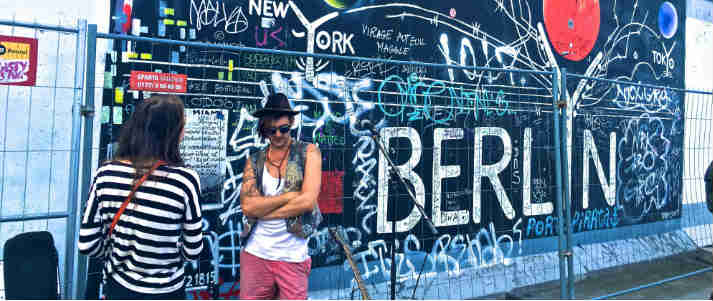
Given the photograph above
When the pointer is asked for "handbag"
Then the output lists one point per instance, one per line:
(123, 207)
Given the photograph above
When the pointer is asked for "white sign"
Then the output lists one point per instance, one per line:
(204, 144)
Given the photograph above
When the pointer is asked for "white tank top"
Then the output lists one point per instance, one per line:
(270, 239)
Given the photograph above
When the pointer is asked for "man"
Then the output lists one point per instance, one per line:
(281, 184)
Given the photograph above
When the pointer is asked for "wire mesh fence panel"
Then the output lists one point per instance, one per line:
(698, 155)
(642, 153)
(36, 135)
(476, 145)
(477, 154)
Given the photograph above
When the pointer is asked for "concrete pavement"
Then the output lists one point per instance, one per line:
(599, 283)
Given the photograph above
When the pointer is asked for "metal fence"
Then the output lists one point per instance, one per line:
(40, 134)
(425, 116)
(659, 143)
(488, 152)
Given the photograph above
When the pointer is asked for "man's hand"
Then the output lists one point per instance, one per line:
(311, 185)
(253, 203)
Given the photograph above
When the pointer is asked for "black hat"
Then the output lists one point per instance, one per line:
(277, 103)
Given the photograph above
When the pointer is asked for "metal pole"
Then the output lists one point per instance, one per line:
(558, 181)
(38, 26)
(393, 249)
(71, 253)
(567, 197)
(303, 54)
(377, 140)
(88, 114)
(88, 139)
(33, 217)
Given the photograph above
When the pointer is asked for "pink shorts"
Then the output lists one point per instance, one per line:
(269, 279)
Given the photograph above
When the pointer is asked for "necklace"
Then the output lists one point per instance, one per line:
(279, 166)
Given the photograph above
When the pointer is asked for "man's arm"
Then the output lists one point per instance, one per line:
(253, 203)
(310, 188)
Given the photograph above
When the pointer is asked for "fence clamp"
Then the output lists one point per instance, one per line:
(562, 104)
(566, 254)
(87, 111)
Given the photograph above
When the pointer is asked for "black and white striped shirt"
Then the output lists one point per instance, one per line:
(159, 226)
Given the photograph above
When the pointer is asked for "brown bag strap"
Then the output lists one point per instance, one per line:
(131, 196)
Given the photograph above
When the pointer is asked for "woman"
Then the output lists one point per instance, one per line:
(279, 198)
(160, 227)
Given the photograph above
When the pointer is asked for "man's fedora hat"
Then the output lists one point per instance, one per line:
(277, 103)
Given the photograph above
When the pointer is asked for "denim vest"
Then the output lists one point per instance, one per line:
(302, 225)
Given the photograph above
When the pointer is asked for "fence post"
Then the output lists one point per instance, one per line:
(83, 111)
(88, 135)
(71, 254)
(567, 189)
(558, 180)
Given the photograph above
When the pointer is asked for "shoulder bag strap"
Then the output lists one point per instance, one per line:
(131, 196)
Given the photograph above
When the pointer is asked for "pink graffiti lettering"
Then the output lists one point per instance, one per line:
(273, 35)
(13, 71)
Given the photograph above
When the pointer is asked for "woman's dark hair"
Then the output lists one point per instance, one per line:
(153, 133)
(268, 119)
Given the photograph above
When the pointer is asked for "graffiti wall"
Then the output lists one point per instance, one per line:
(475, 146)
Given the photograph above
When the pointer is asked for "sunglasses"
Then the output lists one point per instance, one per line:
(272, 131)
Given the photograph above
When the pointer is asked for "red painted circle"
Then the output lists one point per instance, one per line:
(572, 26)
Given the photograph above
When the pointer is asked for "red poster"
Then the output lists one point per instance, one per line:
(332, 192)
(158, 82)
(18, 61)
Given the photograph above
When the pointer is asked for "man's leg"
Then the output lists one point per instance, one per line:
(257, 281)
(292, 279)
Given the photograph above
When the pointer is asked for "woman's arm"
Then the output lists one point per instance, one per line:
(192, 234)
(91, 236)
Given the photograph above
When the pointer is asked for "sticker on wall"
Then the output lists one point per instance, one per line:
(18, 61)
(572, 26)
(108, 83)
(118, 117)
(106, 114)
(119, 95)
(158, 82)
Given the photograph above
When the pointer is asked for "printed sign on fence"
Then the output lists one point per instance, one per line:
(18, 61)
(158, 82)
(204, 147)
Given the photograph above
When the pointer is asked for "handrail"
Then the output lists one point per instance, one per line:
(31, 217)
(613, 81)
(314, 55)
(38, 26)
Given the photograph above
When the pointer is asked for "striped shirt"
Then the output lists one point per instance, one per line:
(160, 228)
